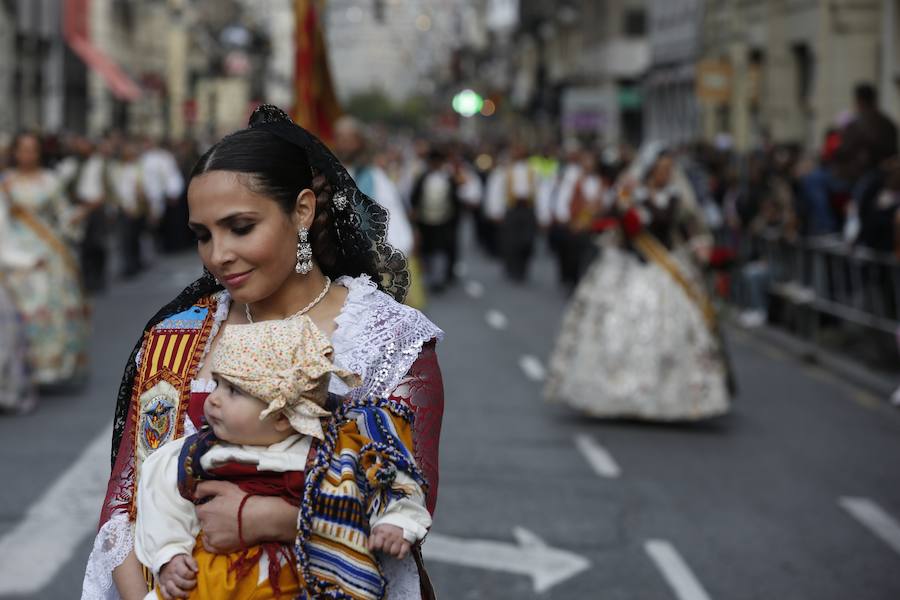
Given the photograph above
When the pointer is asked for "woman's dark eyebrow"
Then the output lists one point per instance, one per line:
(234, 216)
(224, 220)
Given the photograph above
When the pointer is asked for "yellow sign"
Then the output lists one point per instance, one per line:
(714, 81)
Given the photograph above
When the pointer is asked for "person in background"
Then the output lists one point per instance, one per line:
(560, 196)
(127, 183)
(586, 201)
(352, 148)
(91, 191)
(640, 337)
(511, 198)
(47, 290)
(17, 390)
(164, 190)
(435, 212)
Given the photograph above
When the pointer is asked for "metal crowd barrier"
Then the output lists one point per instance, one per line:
(828, 277)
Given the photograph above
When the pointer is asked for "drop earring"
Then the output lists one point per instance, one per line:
(304, 252)
(209, 275)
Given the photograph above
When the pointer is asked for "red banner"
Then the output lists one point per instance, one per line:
(316, 106)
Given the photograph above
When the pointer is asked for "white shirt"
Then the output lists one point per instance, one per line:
(162, 179)
(563, 200)
(472, 188)
(90, 183)
(126, 177)
(518, 178)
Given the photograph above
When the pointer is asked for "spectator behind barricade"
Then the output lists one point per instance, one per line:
(826, 186)
(867, 143)
(766, 210)
(877, 209)
(869, 139)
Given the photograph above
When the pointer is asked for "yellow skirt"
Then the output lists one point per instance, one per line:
(216, 582)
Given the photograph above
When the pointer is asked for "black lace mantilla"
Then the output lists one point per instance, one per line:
(360, 224)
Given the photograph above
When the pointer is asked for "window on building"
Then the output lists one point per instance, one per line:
(635, 22)
(803, 73)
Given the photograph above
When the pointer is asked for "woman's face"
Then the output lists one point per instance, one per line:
(27, 152)
(662, 172)
(244, 239)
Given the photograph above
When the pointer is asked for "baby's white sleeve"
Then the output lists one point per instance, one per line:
(407, 513)
(167, 523)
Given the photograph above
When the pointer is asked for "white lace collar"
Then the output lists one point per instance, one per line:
(375, 336)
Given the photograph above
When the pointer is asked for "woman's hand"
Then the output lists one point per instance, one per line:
(264, 519)
(219, 516)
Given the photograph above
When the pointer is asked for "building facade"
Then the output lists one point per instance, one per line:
(398, 47)
(579, 66)
(786, 68)
(671, 112)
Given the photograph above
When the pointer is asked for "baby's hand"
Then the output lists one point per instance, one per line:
(178, 577)
(389, 539)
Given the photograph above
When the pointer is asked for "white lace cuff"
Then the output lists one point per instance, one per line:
(112, 546)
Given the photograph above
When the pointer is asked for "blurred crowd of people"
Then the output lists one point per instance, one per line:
(70, 203)
(67, 205)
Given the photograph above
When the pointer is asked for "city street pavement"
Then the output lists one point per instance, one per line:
(793, 496)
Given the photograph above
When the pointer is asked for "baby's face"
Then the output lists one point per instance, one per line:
(234, 416)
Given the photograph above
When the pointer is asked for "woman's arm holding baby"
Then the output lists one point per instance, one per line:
(263, 519)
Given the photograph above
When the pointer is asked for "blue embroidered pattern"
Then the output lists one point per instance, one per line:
(191, 318)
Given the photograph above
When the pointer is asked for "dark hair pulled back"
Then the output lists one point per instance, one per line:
(278, 169)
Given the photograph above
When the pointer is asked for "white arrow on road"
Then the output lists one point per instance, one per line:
(546, 566)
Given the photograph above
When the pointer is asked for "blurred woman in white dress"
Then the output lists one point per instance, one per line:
(640, 337)
(46, 288)
(17, 394)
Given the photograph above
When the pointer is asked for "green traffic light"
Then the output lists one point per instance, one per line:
(468, 103)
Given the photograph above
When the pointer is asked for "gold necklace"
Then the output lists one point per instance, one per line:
(303, 310)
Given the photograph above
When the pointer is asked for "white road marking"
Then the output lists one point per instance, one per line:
(474, 289)
(875, 519)
(599, 458)
(47, 536)
(496, 319)
(532, 368)
(530, 556)
(675, 570)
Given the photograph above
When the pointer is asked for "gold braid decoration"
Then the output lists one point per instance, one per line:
(654, 251)
(46, 234)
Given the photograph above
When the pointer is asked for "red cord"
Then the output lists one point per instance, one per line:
(240, 520)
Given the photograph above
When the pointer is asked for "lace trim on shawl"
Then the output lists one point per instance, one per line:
(378, 338)
(112, 545)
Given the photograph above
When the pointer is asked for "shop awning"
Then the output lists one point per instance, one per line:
(75, 30)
